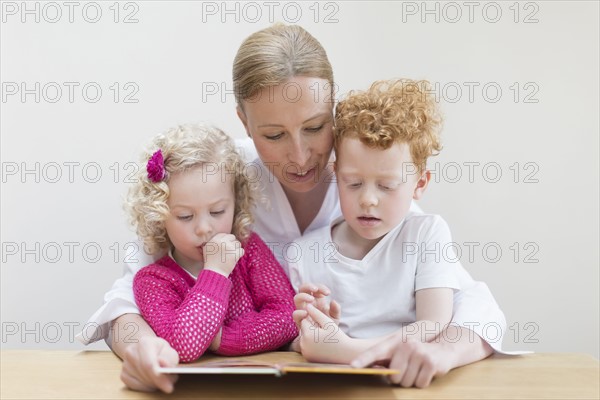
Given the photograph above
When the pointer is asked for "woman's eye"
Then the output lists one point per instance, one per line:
(184, 217)
(274, 137)
(213, 213)
(315, 129)
(354, 185)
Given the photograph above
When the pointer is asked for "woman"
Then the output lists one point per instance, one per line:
(283, 83)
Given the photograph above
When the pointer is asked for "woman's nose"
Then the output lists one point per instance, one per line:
(299, 153)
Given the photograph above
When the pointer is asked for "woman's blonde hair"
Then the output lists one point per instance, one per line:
(394, 111)
(184, 148)
(273, 55)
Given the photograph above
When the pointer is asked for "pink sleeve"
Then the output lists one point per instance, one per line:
(188, 321)
(270, 325)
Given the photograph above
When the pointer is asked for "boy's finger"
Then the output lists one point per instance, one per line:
(306, 327)
(322, 291)
(308, 288)
(322, 304)
(317, 316)
(299, 316)
(335, 311)
(301, 299)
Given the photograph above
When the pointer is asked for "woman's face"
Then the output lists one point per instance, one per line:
(291, 125)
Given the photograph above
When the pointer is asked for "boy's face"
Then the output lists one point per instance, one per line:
(376, 186)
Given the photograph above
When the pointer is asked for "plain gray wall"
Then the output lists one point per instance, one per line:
(517, 83)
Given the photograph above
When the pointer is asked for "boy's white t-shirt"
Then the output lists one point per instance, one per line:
(474, 305)
(377, 293)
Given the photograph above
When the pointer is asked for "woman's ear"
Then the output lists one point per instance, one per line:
(422, 184)
(243, 118)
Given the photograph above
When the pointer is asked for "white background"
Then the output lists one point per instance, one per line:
(533, 70)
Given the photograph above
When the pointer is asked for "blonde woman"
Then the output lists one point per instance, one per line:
(284, 87)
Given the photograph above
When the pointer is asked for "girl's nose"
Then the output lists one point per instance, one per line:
(203, 227)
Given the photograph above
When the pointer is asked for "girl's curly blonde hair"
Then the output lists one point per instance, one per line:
(184, 148)
(394, 111)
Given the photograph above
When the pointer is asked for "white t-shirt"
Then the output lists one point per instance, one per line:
(377, 293)
(275, 223)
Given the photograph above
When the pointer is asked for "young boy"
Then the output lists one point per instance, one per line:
(381, 262)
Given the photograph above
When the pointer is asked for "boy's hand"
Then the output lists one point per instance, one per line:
(321, 340)
(317, 295)
(295, 345)
(221, 253)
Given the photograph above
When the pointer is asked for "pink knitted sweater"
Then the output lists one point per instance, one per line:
(254, 305)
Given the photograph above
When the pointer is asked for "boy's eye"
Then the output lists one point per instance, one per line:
(388, 186)
(355, 185)
(213, 213)
(184, 217)
(274, 137)
(315, 129)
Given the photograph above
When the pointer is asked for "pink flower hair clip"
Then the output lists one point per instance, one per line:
(156, 167)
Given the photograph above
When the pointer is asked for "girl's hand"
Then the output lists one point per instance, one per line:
(222, 252)
(317, 295)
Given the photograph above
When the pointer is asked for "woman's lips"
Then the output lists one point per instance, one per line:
(305, 176)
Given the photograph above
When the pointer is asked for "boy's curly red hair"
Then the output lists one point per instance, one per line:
(393, 111)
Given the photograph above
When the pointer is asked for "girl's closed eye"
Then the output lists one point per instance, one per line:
(184, 217)
(215, 213)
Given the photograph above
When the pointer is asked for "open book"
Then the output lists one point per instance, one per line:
(257, 366)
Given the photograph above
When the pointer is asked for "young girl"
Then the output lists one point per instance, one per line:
(219, 287)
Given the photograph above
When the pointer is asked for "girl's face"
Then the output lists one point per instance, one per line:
(291, 125)
(201, 204)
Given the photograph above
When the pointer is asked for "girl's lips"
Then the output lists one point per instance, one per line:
(308, 175)
(368, 221)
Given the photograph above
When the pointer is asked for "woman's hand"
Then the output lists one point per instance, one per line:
(141, 361)
(418, 362)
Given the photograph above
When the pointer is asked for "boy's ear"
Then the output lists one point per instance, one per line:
(243, 118)
(422, 185)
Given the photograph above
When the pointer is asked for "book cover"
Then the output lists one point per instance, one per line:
(246, 366)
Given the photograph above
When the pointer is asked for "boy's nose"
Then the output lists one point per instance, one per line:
(368, 199)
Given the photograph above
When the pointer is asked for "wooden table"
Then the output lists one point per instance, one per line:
(42, 374)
